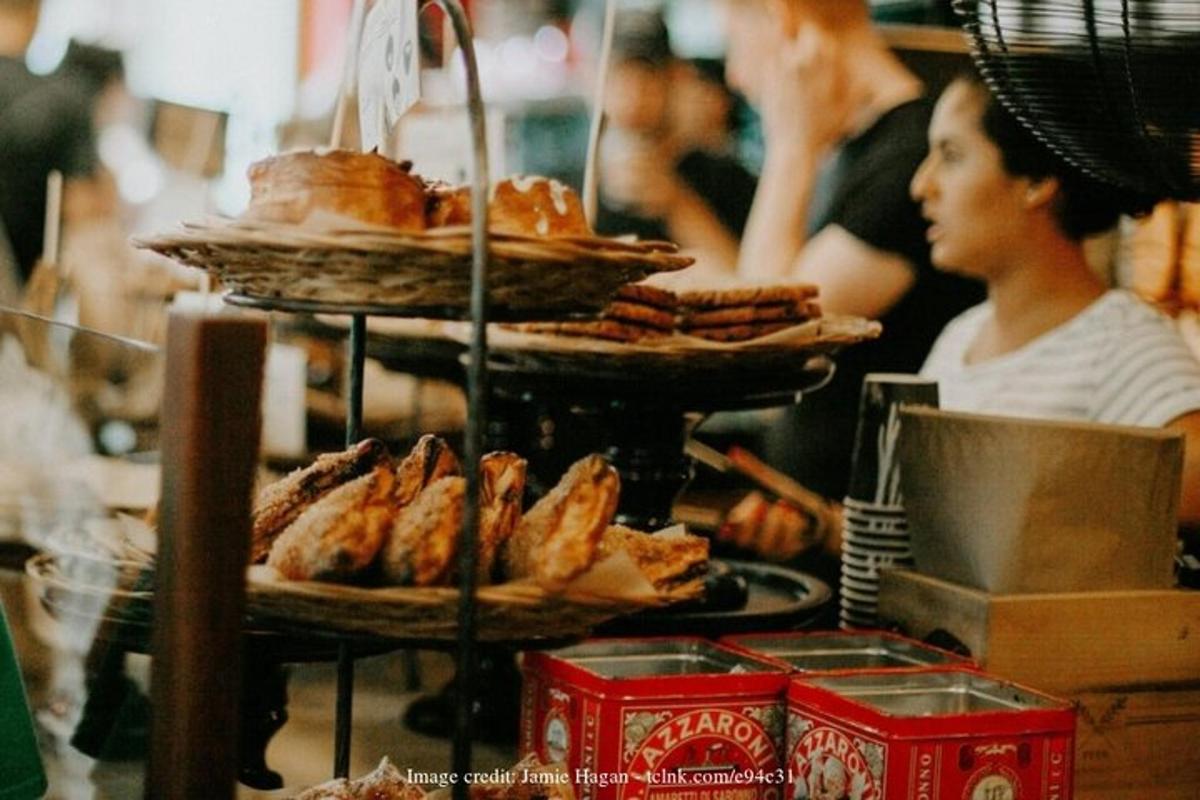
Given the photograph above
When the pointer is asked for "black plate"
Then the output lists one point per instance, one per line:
(778, 599)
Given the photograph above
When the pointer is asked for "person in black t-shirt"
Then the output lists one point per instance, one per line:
(844, 125)
(45, 125)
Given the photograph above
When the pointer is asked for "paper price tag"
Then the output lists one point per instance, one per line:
(389, 70)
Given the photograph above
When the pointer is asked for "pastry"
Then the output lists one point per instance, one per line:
(521, 206)
(669, 562)
(447, 205)
(501, 489)
(366, 187)
(556, 540)
(533, 206)
(423, 539)
(430, 459)
(280, 503)
(385, 783)
(338, 536)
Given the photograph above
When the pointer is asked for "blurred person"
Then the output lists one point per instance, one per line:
(45, 125)
(665, 167)
(1052, 341)
(844, 125)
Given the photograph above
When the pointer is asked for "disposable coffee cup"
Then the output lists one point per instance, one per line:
(875, 464)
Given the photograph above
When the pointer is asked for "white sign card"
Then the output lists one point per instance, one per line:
(389, 69)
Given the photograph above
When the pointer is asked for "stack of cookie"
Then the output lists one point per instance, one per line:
(737, 315)
(641, 312)
(638, 312)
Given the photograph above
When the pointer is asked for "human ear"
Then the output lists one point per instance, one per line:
(1041, 192)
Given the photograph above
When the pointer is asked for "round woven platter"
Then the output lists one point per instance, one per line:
(679, 356)
(378, 267)
(681, 359)
(122, 593)
(505, 612)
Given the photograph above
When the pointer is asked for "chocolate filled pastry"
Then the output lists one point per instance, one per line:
(501, 488)
(667, 561)
(523, 206)
(338, 536)
(430, 459)
(556, 540)
(423, 539)
(366, 187)
(280, 503)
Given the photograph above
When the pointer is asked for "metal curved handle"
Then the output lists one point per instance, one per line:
(477, 393)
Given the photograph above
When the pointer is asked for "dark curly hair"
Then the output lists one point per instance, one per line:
(1085, 205)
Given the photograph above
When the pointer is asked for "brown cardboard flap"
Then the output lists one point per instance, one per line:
(1014, 505)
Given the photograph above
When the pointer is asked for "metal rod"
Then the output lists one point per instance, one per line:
(354, 368)
(477, 393)
(137, 344)
(344, 714)
(590, 184)
(345, 711)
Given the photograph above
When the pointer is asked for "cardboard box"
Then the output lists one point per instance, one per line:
(1012, 505)
(1060, 643)
(1130, 661)
(1138, 743)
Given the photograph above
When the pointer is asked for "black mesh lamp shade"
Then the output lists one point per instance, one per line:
(1111, 85)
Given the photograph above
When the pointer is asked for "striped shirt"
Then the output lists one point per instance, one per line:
(1119, 361)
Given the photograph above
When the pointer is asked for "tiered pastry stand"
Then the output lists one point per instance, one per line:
(477, 391)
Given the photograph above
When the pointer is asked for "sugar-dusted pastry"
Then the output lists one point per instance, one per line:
(668, 561)
(422, 541)
(430, 460)
(280, 503)
(501, 488)
(534, 206)
(556, 540)
(338, 536)
(523, 205)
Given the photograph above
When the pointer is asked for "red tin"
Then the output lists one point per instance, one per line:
(948, 735)
(841, 652)
(657, 719)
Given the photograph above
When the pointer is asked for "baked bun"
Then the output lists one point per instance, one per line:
(523, 206)
(363, 186)
(533, 206)
(447, 205)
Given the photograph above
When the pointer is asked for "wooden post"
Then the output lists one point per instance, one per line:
(211, 424)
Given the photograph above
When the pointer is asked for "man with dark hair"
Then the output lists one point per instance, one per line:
(45, 125)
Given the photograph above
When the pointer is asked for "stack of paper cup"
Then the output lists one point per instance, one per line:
(875, 536)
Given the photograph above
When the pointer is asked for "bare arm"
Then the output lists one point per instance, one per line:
(855, 278)
(775, 232)
(693, 225)
(1189, 497)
